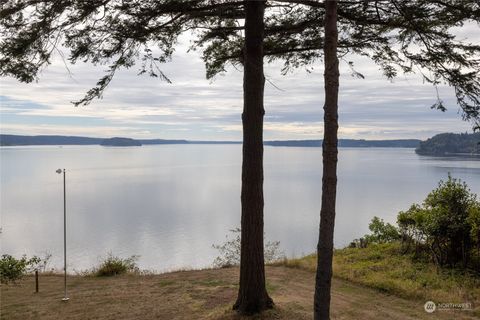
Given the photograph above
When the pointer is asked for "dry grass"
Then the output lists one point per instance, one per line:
(205, 294)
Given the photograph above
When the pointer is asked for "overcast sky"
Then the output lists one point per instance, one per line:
(197, 109)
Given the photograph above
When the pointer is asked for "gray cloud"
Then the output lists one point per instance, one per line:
(195, 108)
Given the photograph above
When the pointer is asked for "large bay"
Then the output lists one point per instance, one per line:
(170, 203)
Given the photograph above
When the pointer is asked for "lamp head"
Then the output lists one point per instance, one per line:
(59, 171)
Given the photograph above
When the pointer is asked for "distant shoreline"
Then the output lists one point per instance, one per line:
(45, 140)
(451, 144)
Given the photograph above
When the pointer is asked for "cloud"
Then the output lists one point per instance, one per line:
(198, 109)
(90, 131)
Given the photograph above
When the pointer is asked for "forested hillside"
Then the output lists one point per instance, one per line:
(451, 144)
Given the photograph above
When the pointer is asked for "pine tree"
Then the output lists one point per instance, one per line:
(399, 36)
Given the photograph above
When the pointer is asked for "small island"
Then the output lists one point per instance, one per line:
(451, 144)
(120, 142)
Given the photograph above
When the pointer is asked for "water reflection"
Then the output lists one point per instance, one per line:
(169, 204)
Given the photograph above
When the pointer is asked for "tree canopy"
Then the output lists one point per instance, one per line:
(399, 36)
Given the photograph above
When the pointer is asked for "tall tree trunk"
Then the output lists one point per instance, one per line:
(252, 294)
(323, 278)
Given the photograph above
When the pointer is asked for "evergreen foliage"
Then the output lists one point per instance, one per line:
(451, 144)
(399, 36)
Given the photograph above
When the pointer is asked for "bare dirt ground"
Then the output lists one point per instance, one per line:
(205, 294)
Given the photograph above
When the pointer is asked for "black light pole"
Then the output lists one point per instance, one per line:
(59, 171)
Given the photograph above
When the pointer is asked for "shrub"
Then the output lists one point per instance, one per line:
(474, 221)
(412, 227)
(12, 269)
(447, 224)
(447, 227)
(230, 251)
(382, 232)
(113, 265)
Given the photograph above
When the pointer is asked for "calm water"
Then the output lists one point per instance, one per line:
(170, 203)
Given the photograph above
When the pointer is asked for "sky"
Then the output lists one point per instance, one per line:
(194, 108)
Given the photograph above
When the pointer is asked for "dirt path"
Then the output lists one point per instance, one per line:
(206, 294)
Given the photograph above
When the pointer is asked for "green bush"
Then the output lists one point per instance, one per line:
(12, 269)
(474, 221)
(445, 228)
(113, 265)
(447, 223)
(382, 232)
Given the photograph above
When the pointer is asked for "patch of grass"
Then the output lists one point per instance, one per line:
(212, 283)
(385, 268)
(165, 283)
(305, 263)
(113, 265)
(271, 287)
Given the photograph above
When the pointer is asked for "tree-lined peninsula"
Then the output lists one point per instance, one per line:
(446, 144)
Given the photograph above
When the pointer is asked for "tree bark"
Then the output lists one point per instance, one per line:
(323, 278)
(252, 293)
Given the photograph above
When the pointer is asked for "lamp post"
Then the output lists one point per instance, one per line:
(59, 171)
